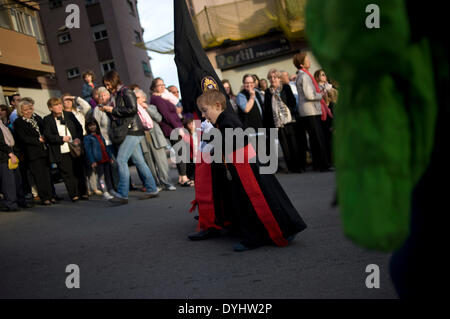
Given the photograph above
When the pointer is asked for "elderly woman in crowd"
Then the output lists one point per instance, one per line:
(250, 104)
(80, 108)
(169, 122)
(10, 179)
(29, 129)
(103, 119)
(279, 108)
(60, 128)
(5, 112)
(127, 133)
(310, 110)
(154, 145)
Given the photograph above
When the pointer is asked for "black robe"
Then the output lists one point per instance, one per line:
(255, 204)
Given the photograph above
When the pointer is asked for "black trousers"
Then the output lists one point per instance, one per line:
(190, 170)
(11, 186)
(72, 171)
(40, 170)
(302, 144)
(181, 167)
(317, 143)
(23, 168)
(104, 175)
(327, 134)
(290, 148)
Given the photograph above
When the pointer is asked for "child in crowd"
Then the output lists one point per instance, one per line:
(88, 85)
(99, 157)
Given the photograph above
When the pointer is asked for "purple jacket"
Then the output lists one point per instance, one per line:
(170, 119)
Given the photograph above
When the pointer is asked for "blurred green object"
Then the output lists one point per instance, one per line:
(385, 117)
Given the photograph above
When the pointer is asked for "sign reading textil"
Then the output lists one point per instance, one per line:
(253, 54)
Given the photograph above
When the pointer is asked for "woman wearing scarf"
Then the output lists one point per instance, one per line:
(279, 108)
(10, 179)
(29, 129)
(311, 110)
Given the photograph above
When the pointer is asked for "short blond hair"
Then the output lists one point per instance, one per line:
(211, 97)
(26, 101)
(53, 101)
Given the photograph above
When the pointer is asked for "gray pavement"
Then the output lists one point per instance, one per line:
(141, 250)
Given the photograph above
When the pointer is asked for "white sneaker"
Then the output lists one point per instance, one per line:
(107, 196)
(170, 188)
(114, 193)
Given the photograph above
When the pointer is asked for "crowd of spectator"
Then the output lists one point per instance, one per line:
(91, 138)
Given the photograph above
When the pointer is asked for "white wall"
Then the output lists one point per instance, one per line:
(2, 96)
(261, 68)
(40, 98)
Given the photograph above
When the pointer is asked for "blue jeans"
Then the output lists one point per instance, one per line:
(131, 147)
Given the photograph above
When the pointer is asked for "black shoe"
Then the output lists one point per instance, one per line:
(8, 209)
(84, 197)
(75, 199)
(116, 201)
(149, 195)
(54, 201)
(58, 198)
(241, 247)
(205, 234)
(196, 217)
(291, 238)
(46, 203)
(26, 205)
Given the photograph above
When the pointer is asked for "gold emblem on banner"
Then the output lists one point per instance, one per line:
(208, 83)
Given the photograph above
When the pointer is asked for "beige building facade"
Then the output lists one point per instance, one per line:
(25, 66)
(246, 37)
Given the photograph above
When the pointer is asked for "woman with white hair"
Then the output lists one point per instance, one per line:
(280, 113)
(154, 145)
(29, 129)
(10, 179)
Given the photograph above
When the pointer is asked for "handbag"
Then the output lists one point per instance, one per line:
(118, 131)
(76, 150)
(12, 166)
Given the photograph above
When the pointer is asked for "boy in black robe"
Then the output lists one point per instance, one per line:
(254, 203)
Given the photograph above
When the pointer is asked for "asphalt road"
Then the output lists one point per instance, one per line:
(141, 250)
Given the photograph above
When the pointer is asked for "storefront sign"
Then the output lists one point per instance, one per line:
(253, 54)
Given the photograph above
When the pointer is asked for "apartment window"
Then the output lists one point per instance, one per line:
(73, 73)
(64, 38)
(55, 4)
(21, 22)
(43, 53)
(137, 36)
(89, 2)
(107, 66)
(146, 68)
(4, 19)
(130, 7)
(99, 32)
